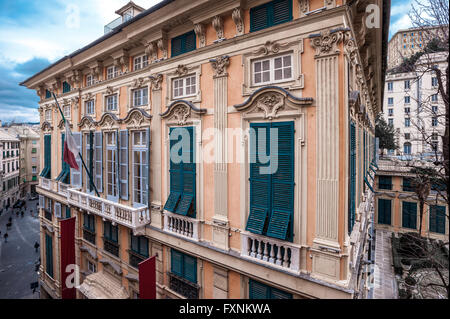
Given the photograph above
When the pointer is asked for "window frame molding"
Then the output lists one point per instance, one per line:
(85, 98)
(292, 110)
(271, 49)
(109, 92)
(181, 72)
(137, 84)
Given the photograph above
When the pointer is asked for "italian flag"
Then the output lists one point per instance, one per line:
(70, 149)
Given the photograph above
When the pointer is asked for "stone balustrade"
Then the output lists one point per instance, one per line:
(181, 225)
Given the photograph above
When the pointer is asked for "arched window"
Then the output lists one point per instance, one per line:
(407, 148)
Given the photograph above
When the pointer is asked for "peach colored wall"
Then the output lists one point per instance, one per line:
(208, 280)
(234, 285)
(235, 81)
(207, 87)
(229, 28)
(123, 102)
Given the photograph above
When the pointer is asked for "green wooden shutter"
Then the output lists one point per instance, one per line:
(259, 18)
(258, 290)
(384, 211)
(279, 294)
(46, 172)
(176, 179)
(61, 174)
(281, 214)
(49, 254)
(190, 42)
(68, 215)
(176, 264)
(184, 43)
(187, 203)
(282, 11)
(176, 46)
(260, 190)
(352, 186)
(409, 215)
(190, 268)
(437, 219)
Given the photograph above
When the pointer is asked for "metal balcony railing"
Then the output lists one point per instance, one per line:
(115, 23)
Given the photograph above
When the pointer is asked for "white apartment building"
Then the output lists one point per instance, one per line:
(412, 105)
(9, 169)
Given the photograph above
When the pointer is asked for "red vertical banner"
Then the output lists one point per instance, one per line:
(67, 254)
(147, 279)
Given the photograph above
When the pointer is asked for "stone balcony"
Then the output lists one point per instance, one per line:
(133, 218)
(181, 225)
(271, 252)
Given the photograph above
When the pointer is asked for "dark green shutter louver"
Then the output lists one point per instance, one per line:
(278, 294)
(66, 87)
(384, 211)
(48, 94)
(279, 224)
(352, 186)
(270, 14)
(183, 265)
(46, 172)
(190, 268)
(437, 219)
(409, 215)
(257, 290)
(49, 255)
(176, 263)
(184, 43)
(257, 220)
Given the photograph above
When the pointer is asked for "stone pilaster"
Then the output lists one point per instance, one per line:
(220, 226)
(156, 147)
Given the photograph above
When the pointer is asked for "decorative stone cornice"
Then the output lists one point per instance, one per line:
(108, 120)
(181, 70)
(271, 47)
(46, 127)
(87, 122)
(327, 42)
(199, 30)
(270, 101)
(156, 81)
(238, 18)
(217, 24)
(220, 65)
(136, 117)
(180, 111)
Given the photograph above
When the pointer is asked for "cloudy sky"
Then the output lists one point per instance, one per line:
(35, 33)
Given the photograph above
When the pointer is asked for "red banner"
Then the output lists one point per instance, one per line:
(147, 279)
(67, 227)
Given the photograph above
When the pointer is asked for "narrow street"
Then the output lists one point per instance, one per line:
(18, 255)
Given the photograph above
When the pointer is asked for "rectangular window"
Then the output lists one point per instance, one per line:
(89, 158)
(384, 211)
(46, 172)
(434, 81)
(434, 109)
(390, 86)
(391, 101)
(111, 238)
(407, 110)
(90, 107)
(385, 182)
(138, 249)
(111, 165)
(437, 219)
(182, 173)
(407, 99)
(391, 112)
(66, 87)
(434, 121)
(92, 268)
(183, 266)
(140, 97)
(270, 14)
(391, 122)
(34, 160)
(434, 98)
(407, 122)
(49, 255)
(48, 115)
(184, 43)
(112, 72)
(48, 94)
(271, 193)
(140, 167)
(140, 62)
(89, 80)
(33, 150)
(184, 87)
(111, 103)
(89, 222)
(66, 111)
(34, 170)
(407, 136)
(257, 290)
(409, 215)
(407, 85)
(273, 70)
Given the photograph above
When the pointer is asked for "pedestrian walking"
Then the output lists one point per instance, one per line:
(6, 237)
(36, 246)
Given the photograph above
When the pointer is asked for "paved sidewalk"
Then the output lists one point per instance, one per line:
(385, 283)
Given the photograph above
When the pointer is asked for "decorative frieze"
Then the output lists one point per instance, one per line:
(327, 42)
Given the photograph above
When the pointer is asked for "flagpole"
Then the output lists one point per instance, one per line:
(79, 153)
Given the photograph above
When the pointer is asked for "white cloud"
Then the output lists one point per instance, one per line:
(402, 23)
(18, 114)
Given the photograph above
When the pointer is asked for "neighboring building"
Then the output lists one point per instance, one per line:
(220, 228)
(29, 158)
(397, 205)
(413, 106)
(9, 169)
(406, 42)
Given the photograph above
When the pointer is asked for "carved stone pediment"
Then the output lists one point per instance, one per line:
(270, 101)
(87, 123)
(87, 96)
(46, 127)
(109, 90)
(271, 47)
(136, 118)
(61, 124)
(138, 83)
(108, 120)
(156, 81)
(181, 111)
(181, 70)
